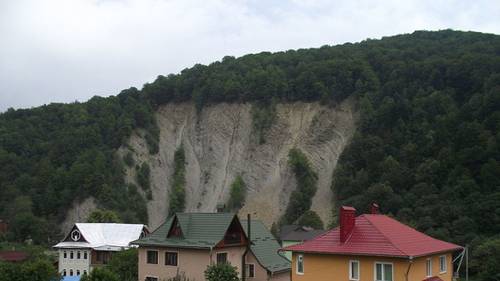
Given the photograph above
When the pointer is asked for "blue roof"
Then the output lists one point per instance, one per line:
(71, 278)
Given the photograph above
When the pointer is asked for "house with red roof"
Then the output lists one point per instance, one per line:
(372, 247)
(13, 256)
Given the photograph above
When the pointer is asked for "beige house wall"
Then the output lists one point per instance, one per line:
(194, 262)
(234, 255)
(191, 262)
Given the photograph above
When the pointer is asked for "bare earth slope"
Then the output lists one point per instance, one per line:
(219, 145)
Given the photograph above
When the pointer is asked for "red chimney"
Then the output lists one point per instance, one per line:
(374, 208)
(347, 221)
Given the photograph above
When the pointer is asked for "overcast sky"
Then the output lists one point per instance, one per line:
(68, 50)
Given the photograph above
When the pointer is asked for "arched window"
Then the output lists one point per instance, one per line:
(78, 255)
(65, 254)
(71, 255)
(71, 272)
(64, 272)
(77, 272)
(85, 255)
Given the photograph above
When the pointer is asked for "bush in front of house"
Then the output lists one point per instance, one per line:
(221, 272)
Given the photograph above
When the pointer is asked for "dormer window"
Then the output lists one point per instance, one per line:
(176, 230)
(234, 234)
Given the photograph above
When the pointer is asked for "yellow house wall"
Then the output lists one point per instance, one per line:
(418, 269)
(335, 267)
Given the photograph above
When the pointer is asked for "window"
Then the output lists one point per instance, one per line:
(78, 255)
(353, 270)
(71, 255)
(171, 258)
(300, 264)
(85, 255)
(84, 272)
(221, 258)
(152, 257)
(442, 264)
(250, 270)
(428, 268)
(64, 272)
(151, 279)
(383, 271)
(102, 257)
(65, 254)
(71, 272)
(78, 273)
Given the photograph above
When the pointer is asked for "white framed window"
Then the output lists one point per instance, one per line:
(250, 270)
(300, 264)
(384, 271)
(442, 264)
(221, 258)
(354, 270)
(428, 267)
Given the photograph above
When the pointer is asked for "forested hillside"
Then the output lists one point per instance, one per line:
(427, 148)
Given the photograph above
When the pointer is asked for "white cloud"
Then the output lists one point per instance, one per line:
(66, 50)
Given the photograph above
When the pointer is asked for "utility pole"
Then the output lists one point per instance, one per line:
(466, 263)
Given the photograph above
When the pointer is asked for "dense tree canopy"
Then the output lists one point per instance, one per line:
(125, 264)
(177, 195)
(52, 155)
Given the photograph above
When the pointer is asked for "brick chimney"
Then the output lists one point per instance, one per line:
(347, 221)
(374, 208)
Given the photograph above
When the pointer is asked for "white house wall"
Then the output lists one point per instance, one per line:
(82, 265)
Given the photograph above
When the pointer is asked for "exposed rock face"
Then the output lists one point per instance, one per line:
(219, 145)
(79, 212)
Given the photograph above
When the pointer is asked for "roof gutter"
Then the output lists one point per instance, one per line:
(408, 269)
(244, 256)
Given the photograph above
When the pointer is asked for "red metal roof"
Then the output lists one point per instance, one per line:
(376, 235)
(13, 256)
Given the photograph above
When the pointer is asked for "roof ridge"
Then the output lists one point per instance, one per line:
(383, 234)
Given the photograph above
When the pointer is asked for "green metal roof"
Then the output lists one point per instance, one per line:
(265, 247)
(200, 230)
(205, 230)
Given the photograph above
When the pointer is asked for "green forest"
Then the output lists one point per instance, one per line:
(427, 148)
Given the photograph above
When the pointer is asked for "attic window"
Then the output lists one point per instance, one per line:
(75, 235)
(176, 230)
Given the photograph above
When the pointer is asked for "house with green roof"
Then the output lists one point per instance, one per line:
(188, 242)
